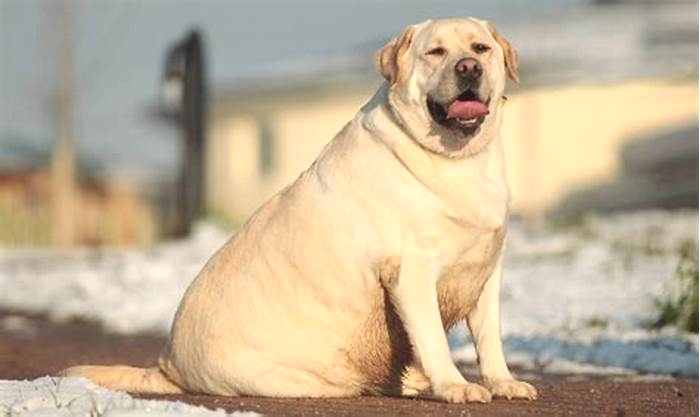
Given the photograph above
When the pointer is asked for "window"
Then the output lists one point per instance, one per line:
(266, 147)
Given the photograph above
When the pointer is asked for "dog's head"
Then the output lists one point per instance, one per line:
(446, 81)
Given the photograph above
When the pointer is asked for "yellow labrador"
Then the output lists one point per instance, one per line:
(345, 282)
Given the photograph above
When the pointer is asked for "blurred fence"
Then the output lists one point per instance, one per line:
(112, 214)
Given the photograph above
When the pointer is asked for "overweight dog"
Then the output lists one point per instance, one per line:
(345, 282)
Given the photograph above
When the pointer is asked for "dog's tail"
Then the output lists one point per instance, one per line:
(126, 378)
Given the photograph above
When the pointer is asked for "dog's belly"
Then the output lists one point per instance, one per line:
(271, 355)
(276, 335)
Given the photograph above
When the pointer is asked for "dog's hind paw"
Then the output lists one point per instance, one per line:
(414, 383)
(510, 389)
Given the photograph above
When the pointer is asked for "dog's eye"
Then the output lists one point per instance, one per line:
(439, 51)
(480, 48)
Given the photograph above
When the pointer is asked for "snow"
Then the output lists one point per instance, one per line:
(79, 397)
(126, 290)
(607, 268)
(576, 298)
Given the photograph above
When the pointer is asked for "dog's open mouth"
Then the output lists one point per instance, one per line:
(465, 113)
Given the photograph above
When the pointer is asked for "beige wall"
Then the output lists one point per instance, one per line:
(557, 140)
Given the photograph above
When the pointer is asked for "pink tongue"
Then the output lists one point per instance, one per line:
(466, 110)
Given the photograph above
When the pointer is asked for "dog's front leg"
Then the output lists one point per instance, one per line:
(414, 295)
(484, 324)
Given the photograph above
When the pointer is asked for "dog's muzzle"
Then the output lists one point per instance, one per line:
(465, 113)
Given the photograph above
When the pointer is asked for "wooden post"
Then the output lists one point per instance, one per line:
(63, 171)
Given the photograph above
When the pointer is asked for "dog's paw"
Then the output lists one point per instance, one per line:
(463, 392)
(510, 389)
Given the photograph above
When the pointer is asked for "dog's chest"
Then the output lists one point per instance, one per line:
(469, 240)
(463, 278)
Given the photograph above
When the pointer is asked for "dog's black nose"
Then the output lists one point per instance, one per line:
(469, 69)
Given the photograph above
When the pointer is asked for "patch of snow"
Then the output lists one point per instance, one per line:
(77, 397)
(125, 290)
(607, 269)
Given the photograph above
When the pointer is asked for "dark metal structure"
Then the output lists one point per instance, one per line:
(186, 100)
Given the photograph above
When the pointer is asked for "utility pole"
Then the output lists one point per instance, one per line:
(185, 74)
(194, 126)
(63, 159)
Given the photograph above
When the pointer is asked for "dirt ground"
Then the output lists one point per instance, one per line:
(31, 346)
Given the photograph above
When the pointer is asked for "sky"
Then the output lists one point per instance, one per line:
(120, 48)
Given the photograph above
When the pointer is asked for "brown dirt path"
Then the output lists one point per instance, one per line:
(32, 346)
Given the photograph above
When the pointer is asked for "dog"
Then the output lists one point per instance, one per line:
(346, 281)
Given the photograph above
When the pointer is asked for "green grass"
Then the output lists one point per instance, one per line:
(680, 307)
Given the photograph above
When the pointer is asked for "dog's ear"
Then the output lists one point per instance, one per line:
(389, 57)
(509, 53)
